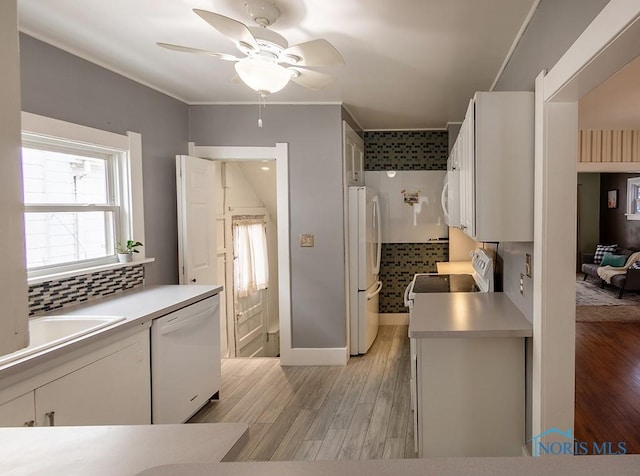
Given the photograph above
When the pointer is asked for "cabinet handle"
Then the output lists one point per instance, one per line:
(51, 416)
(29, 423)
(193, 280)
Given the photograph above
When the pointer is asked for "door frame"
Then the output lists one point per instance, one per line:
(605, 46)
(279, 153)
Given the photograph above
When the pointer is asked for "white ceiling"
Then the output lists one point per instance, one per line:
(409, 63)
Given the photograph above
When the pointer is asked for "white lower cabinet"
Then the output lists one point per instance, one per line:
(470, 396)
(109, 385)
(111, 391)
(18, 412)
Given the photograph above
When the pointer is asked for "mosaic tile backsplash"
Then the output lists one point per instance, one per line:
(400, 261)
(65, 292)
(406, 150)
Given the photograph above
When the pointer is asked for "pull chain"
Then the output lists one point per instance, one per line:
(261, 104)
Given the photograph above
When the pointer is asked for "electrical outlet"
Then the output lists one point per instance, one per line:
(522, 284)
(527, 265)
(306, 241)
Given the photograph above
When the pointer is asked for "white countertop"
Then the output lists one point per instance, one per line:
(467, 315)
(562, 465)
(115, 450)
(139, 306)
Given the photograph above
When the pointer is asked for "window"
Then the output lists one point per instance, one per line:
(633, 198)
(80, 194)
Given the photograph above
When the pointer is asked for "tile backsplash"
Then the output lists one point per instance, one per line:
(400, 261)
(60, 293)
(406, 150)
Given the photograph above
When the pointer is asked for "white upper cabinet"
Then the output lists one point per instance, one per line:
(13, 277)
(353, 156)
(495, 147)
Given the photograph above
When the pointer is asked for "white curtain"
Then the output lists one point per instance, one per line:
(251, 265)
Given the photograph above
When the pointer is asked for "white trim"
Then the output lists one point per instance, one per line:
(93, 269)
(129, 148)
(325, 356)
(605, 46)
(46, 126)
(602, 49)
(281, 155)
(610, 167)
(136, 196)
(515, 43)
(394, 319)
(449, 123)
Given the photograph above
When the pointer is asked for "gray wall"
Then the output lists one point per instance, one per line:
(62, 86)
(513, 256)
(314, 135)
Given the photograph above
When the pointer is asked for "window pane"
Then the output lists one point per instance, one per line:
(60, 177)
(63, 237)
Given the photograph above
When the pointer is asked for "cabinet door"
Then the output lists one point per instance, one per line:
(18, 412)
(114, 390)
(353, 156)
(467, 172)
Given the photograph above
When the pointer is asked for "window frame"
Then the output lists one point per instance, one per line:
(125, 174)
(633, 185)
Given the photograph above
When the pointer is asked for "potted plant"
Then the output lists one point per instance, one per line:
(125, 253)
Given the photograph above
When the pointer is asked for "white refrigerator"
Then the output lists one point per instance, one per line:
(364, 267)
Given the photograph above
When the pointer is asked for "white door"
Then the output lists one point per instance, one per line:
(196, 220)
(250, 306)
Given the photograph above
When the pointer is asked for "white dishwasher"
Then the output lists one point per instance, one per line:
(185, 361)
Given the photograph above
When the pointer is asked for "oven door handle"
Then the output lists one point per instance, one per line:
(406, 294)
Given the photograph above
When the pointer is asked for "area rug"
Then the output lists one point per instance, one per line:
(607, 313)
(589, 293)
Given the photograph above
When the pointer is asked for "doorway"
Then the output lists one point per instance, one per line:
(247, 220)
(280, 280)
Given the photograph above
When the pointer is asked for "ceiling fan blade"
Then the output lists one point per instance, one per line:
(312, 53)
(187, 49)
(236, 31)
(311, 79)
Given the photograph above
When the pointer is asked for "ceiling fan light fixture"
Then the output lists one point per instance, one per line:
(263, 76)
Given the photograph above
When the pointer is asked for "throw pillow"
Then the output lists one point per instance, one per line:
(635, 265)
(601, 250)
(613, 260)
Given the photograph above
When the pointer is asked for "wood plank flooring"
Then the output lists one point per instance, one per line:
(359, 411)
(608, 383)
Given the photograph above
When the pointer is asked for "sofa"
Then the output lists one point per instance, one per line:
(630, 281)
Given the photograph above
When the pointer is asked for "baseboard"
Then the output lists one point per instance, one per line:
(394, 319)
(329, 356)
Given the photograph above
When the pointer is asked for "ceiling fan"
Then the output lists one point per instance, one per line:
(268, 62)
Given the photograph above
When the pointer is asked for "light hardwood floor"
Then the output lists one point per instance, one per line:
(359, 411)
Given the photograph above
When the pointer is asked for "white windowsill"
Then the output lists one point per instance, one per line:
(93, 269)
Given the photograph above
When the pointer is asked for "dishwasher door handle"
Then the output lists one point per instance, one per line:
(180, 322)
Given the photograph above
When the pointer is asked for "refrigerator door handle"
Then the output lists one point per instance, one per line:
(375, 292)
(376, 218)
(443, 200)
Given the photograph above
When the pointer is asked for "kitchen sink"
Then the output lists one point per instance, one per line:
(47, 332)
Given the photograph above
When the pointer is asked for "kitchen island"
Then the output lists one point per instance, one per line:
(468, 371)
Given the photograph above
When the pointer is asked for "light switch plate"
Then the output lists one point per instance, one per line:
(306, 241)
